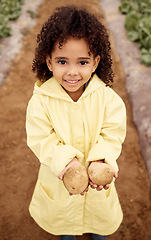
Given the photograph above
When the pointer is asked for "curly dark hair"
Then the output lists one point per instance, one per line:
(71, 21)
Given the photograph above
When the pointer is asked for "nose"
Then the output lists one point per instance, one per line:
(72, 70)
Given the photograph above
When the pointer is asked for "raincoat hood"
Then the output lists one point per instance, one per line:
(53, 89)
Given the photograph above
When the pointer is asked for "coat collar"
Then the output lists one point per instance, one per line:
(53, 89)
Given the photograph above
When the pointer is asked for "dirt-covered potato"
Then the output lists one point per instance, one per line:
(76, 179)
(100, 173)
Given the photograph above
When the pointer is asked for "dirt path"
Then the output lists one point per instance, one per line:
(19, 167)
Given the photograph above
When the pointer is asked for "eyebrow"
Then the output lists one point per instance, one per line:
(80, 58)
(60, 58)
(84, 58)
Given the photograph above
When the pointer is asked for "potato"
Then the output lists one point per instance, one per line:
(100, 173)
(76, 179)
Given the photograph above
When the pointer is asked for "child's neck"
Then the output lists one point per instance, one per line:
(76, 95)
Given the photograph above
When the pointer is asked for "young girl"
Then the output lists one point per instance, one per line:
(74, 117)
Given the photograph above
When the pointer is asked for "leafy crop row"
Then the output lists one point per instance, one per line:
(138, 25)
(9, 10)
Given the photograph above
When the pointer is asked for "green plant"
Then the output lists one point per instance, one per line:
(146, 56)
(4, 30)
(138, 25)
(9, 10)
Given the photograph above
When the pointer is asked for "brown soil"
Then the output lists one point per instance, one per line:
(19, 167)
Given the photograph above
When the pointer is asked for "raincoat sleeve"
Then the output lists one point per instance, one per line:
(43, 141)
(112, 133)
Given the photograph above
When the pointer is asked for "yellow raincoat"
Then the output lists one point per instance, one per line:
(58, 129)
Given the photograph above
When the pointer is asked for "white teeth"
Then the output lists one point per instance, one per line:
(72, 81)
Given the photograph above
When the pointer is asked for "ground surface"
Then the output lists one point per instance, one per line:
(19, 167)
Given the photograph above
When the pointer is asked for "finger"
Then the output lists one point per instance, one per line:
(115, 174)
(86, 190)
(106, 186)
(82, 193)
(60, 176)
(93, 185)
(99, 188)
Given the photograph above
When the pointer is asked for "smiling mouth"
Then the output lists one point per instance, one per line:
(72, 82)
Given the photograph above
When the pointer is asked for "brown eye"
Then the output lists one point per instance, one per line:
(83, 62)
(62, 62)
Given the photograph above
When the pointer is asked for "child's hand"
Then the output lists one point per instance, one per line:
(100, 187)
(74, 161)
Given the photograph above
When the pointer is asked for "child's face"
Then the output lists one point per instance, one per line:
(72, 65)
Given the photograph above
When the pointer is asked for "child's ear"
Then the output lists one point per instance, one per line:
(48, 61)
(96, 62)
